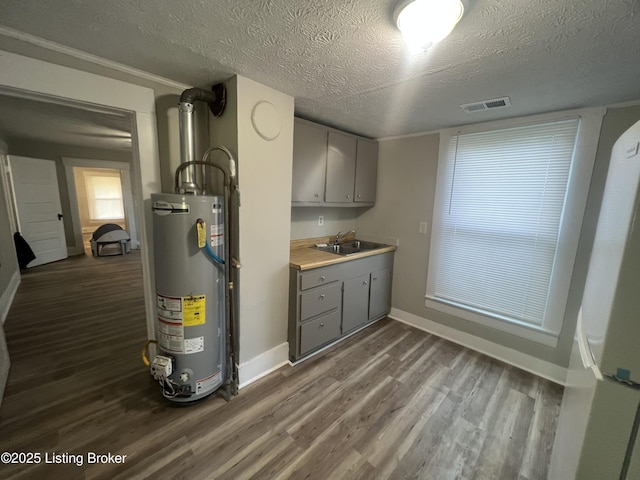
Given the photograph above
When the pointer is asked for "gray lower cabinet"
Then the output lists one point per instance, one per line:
(329, 302)
(355, 304)
(380, 296)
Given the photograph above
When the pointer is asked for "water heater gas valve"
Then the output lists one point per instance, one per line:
(161, 367)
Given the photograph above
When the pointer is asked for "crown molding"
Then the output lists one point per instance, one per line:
(88, 57)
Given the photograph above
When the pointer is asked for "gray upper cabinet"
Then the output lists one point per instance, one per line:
(341, 168)
(309, 158)
(366, 171)
(332, 168)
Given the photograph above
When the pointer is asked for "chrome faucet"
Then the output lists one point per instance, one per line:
(337, 239)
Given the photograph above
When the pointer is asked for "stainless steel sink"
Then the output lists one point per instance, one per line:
(349, 248)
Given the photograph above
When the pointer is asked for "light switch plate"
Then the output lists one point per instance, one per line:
(320, 220)
(422, 228)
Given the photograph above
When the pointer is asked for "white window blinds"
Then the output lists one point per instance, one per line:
(105, 197)
(499, 208)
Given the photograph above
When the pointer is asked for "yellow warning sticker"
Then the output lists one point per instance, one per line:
(193, 311)
(202, 234)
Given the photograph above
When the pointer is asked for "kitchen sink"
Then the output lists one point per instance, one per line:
(349, 248)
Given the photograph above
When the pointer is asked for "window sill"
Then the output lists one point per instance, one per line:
(524, 330)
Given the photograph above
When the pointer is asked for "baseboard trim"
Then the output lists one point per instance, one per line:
(541, 368)
(263, 364)
(72, 251)
(7, 296)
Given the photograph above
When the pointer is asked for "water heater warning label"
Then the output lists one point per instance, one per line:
(194, 345)
(217, 234)
(169, 307)
(170, 335)
(176, 313)
(193, 311)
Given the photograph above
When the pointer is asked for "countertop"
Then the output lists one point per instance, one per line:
(305, 257)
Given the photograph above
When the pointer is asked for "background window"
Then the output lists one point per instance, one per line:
(498, 247)
(104, 195)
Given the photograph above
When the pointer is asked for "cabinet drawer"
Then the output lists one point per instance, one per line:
(320, 276)
(319, 300)
(319, 331)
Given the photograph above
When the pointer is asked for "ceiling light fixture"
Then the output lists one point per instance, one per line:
(426, 22)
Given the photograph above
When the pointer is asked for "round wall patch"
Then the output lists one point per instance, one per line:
(266, 120)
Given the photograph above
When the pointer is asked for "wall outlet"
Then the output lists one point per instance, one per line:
(320, 220)
(422, 228)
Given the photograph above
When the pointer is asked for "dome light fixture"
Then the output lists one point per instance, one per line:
(426, 22)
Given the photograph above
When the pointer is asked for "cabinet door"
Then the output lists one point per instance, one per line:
(341, 168)
(319, 331)
(309, 157)
(380, 298)
(355, 303)
(366, 171)
(319, 300)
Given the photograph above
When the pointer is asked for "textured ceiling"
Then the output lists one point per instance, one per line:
(25, 119)
(345, 62)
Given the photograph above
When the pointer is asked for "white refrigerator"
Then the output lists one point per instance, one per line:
(597, 434)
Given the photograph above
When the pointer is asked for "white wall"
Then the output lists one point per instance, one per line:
(9, 273)
(9, 270)
(26, 74)
(264, 175)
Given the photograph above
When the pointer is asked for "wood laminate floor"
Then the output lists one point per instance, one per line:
(389, 402)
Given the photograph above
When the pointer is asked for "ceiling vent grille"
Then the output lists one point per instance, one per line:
(486, 105)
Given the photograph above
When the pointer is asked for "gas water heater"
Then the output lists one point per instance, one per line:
(190, 297)
(193, 259)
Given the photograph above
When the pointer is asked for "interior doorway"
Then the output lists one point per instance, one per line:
(100, 192)
(100, 200)
(26, 77)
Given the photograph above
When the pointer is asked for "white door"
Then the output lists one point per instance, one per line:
(37, 201)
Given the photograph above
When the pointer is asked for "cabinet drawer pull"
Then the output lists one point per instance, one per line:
(322, 296)
(322, 278)
(365, 282)
(321, 325)
(359, 196)
(316, 195)
(374, 278)
(348, 196)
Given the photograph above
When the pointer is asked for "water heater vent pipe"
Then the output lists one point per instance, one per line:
(217, 100)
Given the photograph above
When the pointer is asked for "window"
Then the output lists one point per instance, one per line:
(104, 194)
(504, 233)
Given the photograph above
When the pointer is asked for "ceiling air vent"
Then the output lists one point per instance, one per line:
(486, 105)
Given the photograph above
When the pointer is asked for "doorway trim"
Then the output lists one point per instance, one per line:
(29, 76)
(127, 197)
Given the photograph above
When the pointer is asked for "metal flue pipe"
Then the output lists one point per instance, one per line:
(216, 99)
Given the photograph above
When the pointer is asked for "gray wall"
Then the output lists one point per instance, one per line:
(304, 221)
(406, 190)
